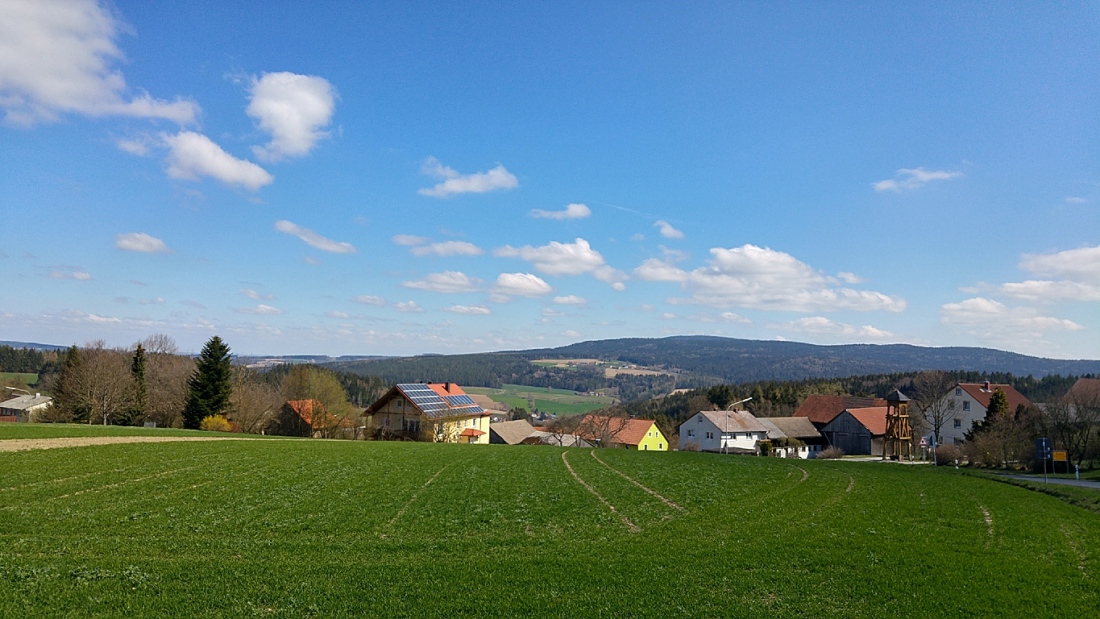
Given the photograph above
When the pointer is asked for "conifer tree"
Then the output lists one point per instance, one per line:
(135, 413)
(210, 386)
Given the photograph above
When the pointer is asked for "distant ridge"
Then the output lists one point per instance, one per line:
(739, 360)
(32, 345)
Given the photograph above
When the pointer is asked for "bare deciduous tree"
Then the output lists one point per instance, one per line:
(254, 402)
(929, 389)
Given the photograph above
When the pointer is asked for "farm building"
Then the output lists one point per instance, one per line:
(509, 432)
(436, 412)
(793, 437)
(722, 431)
(821, 409)
(968, 402)
(857, 431)
(309, 418)
(24, 407)
(605, 431)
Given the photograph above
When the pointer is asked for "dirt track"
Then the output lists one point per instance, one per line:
(85, 441)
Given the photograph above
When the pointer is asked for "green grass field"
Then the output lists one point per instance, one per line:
(555, 401)
(352, 529)
(27, 378)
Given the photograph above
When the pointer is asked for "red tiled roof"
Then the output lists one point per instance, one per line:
(471, 432)
(1084, 390)
(623, 431)
(983, 391)
(824, 408)
(304, 410)
(872, 418)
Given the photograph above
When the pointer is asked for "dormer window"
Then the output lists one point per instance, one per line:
(958, 391)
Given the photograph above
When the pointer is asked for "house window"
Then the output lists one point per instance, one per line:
(958, 423)
(691, 432)
(966, 405)
(710, 435)
(958, 391)
(660, 445)
(645, 447)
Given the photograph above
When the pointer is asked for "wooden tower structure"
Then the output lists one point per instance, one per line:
(898, 441)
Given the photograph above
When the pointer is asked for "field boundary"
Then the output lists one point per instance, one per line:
(27, 444)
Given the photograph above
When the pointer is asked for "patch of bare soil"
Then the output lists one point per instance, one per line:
(20, 444)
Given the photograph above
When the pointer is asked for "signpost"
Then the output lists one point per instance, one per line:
(1043, 452)
(1060, 456)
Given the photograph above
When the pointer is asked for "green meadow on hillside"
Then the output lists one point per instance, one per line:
(292, 528)
(555, 401)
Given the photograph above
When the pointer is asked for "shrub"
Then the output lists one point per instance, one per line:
(832, 453)
(948, 454)
(215, 423)
(691, 446)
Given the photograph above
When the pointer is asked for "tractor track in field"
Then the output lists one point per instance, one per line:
(26, 444)
(851, 483)
(633, 527)
(988, 518)
(122, 483)
(412, 499)
(666, 501)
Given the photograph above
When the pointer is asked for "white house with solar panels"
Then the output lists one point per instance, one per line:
(436, 412)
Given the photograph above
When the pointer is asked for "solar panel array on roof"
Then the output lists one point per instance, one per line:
(458, 400)
(423, 397)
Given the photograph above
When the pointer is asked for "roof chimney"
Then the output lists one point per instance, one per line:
(987, 385)
(447, 387)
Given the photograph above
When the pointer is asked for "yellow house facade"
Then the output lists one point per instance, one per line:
(430, 412)
(639, 434)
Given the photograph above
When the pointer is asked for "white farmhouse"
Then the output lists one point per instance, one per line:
(966, 403)
(24, 407)
(730, 431)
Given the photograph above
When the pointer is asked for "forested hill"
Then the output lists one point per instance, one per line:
(736, 361)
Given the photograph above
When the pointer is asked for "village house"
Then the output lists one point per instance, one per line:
(722, 431)
(611, 431)
(308, 418)
(24, 407)
(857, 431)
(436, 412)
(793, 437)
(969, 402)
(821, 409)
(510, 432)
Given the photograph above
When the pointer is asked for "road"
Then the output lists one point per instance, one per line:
(1080, 483)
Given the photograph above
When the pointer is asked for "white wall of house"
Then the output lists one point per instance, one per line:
(700, 432)
(805, 452)
(965, 412)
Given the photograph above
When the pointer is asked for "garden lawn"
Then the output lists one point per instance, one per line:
(352, 529)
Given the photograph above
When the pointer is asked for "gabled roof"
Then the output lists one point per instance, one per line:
(305, 409)
(794, 427)
(620, 430)
(734, 421)
(24, 402)
(983, 391)
(773, 430)
(1084, 390)
(822, 409)
(873, 418)
(512, 432)
(434, 400)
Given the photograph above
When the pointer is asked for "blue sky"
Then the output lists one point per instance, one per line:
(403, 178)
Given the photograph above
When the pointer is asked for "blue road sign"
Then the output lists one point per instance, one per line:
(1042, 449)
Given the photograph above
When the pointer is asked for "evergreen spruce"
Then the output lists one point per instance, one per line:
(135, 413)
(210, 386)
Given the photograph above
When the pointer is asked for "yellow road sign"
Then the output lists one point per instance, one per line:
(1060, 455)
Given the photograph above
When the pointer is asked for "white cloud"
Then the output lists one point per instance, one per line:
(312, 260)
(572, 211)
(910, 179)
(1082, 264)
(849, 278)
(570, 300)
(409, 240)
(313, 239)
(140, 242)
(410, 307)
(255, 296)
(69, 272)
(59, 57)
(994, 319)
(294, 109)
(259, 310)
(570, 333)
(448, 248)
(340, 315)
(468, 310)
(573, 258)
(192, 156)
(1046, 291)
(819, 325)
(731, 317)
(668, 316)
(667, 230)
(370, 300)
(550, 312)
(139, 146)
(454, 183)
(445, 282)
(1075, 200)
(519, 285)
(763, 278)
(153, 301)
